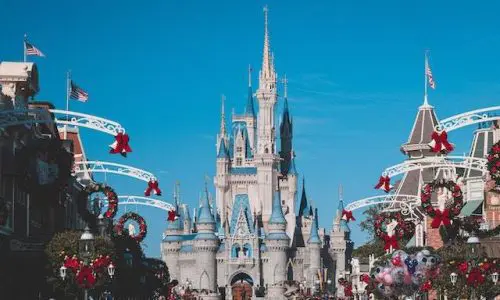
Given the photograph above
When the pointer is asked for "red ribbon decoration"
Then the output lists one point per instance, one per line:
(347, 215)
(463, 267)
(121, 145)
(172, 215)
(475, 277)
(152, 186)
(441, 217)
(427, 286)
(71, 263)
(384, 183)
(440, 142)
(348, 291)
(391, 241)
(85, 277)
(365, 278)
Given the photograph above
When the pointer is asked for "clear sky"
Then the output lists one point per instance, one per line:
(355, 72)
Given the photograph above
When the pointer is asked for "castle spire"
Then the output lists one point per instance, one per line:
(267, 75)
(285, 88)
(249, 109)
(314, 237)
(223, 118)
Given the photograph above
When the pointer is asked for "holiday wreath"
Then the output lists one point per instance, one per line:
(86, 275)
(390, 227)
(494, 163)
(445, 213)
(143, 228)
(111, 196)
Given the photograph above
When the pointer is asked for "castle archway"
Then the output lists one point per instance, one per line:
(242, 286)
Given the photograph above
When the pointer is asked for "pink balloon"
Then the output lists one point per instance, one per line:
(388, 279)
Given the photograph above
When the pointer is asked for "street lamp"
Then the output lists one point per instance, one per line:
(453, 278)
(86, 245)
(494, 278)
(111, 270)
(62, 272)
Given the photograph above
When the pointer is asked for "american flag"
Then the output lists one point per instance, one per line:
(77, 93)
(32, 50)
(428, 72)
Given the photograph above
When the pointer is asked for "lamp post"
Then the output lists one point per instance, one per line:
(494, 278)
(86, 248)
(453, 278)
(474, 248)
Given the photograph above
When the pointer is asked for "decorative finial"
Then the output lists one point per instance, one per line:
(285, 85)
(223, 117)
(249, 75)
(341, 193)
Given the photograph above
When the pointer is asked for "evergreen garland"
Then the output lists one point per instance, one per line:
(494, 163)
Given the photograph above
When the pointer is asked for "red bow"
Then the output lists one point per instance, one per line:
(152, 186)
(463, 267)
(347, 215)
(71, 263)
(120, 145)
(365, 278)
(441, 217)
(475, 277)
(172, 215)
(348, 291)
(384, 183)
(440, 142)
(85, 277)
(391, 241)
(426, 286)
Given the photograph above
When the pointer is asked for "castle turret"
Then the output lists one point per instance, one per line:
(171, 244)
(266, 158)
(221, 179)
(314, 247)
(277, 242)
(340, 243)
(205, 246)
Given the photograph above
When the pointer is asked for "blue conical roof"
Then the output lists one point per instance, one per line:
(343, 223)
(314, 237)
(303, 200)
(205, 213)
(277, 212)
(222, 152)
(249, 109)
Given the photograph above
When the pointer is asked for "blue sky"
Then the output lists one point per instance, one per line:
(355, 72)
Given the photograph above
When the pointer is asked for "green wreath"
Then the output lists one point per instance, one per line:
(111, 196)
(403, 228)
(442, 217)
(143, 228)
(494, 163)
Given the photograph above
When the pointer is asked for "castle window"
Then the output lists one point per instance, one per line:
(239, 161)
(239, 149)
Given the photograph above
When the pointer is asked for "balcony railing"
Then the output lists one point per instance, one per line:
(241, 261)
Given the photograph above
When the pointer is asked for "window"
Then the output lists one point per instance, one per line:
(239, 149)
(239, 161)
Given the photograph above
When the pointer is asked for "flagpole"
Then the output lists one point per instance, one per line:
(426, 103)
(24, 46)
(68, 82)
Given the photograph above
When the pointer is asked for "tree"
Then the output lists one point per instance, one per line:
(66, 243)
(450, 256)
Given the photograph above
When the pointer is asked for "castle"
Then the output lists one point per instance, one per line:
(254, 241)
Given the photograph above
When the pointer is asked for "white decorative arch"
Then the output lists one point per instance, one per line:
(407, 202)
(86, 167)
(139, 200)
(469, 118)
(64, 117)
(466, 162)
(28, 116)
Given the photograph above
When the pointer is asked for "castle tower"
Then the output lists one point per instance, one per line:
(250, 119)
(314, 247)
(205, 246)
(340, 244)
(171, 244)
(221, 180)
(277, 242)
(265, 158)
